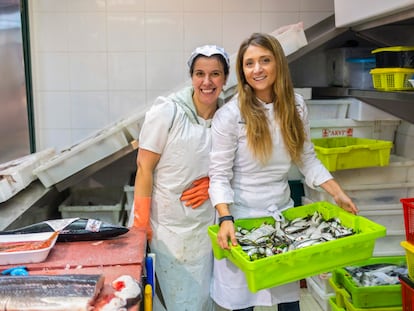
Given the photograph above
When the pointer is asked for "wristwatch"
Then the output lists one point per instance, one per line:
(224, 218)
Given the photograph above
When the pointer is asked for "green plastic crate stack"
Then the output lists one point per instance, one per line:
(350, 296)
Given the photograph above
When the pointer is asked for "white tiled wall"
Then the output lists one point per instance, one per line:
(96, 61)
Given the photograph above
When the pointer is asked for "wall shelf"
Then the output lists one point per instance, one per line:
(400, 104)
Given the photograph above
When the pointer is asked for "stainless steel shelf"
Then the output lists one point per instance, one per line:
(399, 104)
(12, 209)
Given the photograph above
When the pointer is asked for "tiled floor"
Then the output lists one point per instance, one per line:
(307, 303)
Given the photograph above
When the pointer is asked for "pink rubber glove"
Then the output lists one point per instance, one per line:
(142, 210)
(197, 194)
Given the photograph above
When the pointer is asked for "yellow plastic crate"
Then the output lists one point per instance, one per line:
(302, 263)
(340, 153)
(392, 79)
(409, 255)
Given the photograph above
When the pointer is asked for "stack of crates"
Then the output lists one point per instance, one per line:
(377, 192)
(394, 68)
(320, 289)
(350, 296)
(407, 281)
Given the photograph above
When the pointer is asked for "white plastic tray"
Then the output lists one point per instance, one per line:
(18, 174)
(30, 256)
(83, 154)
(321, 109)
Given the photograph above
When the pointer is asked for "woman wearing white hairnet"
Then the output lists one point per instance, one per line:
(174, 146)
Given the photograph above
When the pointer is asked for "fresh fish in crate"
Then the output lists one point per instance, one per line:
(268, 240)
(377, 274)
(74, 229)
(50, 292)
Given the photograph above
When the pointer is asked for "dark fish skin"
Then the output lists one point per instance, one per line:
(75, 231)
(50, 292)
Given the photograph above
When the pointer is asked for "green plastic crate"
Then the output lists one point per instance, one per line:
(342, 301)
(340, 153)
(372, 296)
(334, 305)
(302, 263)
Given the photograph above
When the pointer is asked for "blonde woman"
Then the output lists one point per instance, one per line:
(255, 139)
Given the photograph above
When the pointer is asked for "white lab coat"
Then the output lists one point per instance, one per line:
(183, 249)
(253, 190)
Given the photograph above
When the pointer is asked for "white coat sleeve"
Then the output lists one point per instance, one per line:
(157, 124)
(312, 168)
(224, 131)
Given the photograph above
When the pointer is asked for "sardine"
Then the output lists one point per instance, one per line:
(70, 292)
(285, 235)
(377, 274)
(74, 229)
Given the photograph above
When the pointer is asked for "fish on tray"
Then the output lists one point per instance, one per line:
(70, 292)
(377, 274)
(74, 229)
(26, 245)
(268, 240)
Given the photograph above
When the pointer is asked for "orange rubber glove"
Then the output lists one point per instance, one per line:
(142, 210)
(197, 194)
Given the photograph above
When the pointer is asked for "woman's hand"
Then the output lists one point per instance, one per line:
(340, 197)
(346, 203)
(226, 236)
(197, 194)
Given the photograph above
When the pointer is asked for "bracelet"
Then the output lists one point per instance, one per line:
(224, 218)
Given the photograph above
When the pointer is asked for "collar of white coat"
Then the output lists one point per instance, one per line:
(184, 99)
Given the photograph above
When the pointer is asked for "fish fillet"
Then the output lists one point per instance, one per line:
(70, 292)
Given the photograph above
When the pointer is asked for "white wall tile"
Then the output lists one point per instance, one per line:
(58, 138)
(242, 6)
(280, 5)
(51, 32)
(203, 6)
(317, 5)
(125, 5)
(87, 32)
(52, 71)
(237, 27)
(164, 5)
(88, 71)
(273, 21)
(89, 110)
(126, 71)
(164, 32)
(86, 5)
(132, 28)
(164, 70)
(49, 5)
(53, 110)
(195, 24)
(125, 103)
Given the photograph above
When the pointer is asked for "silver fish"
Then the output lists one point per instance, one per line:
(70, 292)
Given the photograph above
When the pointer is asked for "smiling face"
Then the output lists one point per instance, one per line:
(259, 68)
(208, 79)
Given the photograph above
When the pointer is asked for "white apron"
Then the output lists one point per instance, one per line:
(180, 241)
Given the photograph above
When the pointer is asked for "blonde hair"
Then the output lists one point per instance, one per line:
(259, 137)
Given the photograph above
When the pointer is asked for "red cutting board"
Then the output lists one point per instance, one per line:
(126, 249)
